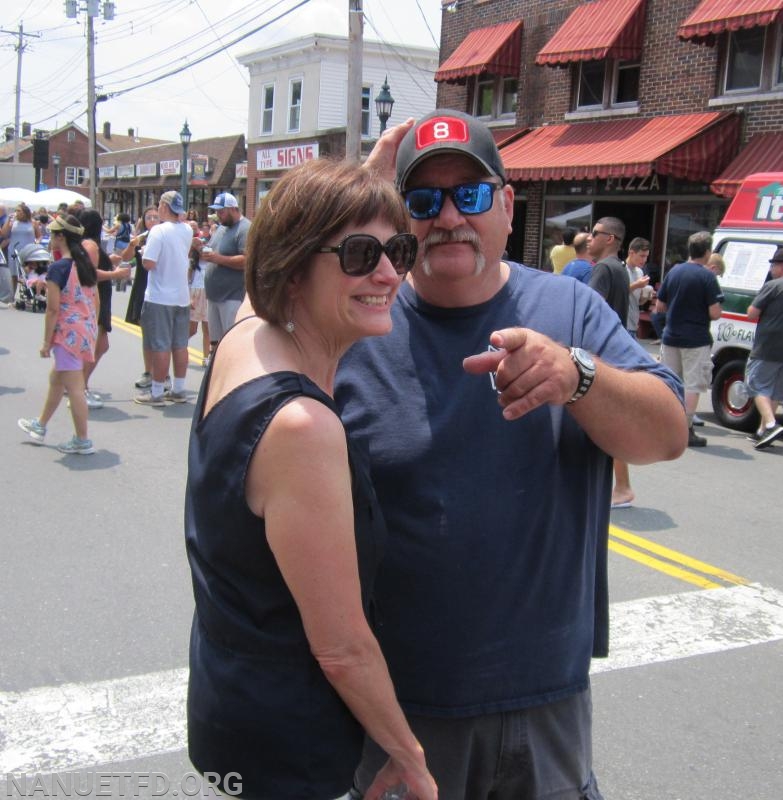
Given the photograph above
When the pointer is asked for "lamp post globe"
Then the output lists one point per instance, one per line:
(384, 103)
(184, 137)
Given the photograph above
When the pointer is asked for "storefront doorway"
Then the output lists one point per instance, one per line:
(639, 218)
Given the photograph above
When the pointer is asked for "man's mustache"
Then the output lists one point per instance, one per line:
(450, 237)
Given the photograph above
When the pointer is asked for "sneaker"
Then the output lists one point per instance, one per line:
(694, 440)
(93, 399)
(754, 437)
(698, 421)
(175, 397)
(77, 446)
(769, 436)
(149, 399)
(33, 429)
(145, 381)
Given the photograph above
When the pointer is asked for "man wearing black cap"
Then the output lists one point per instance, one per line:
(764, 370)
(495, 478)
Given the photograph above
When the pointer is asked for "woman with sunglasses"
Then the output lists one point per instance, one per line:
(282, 525)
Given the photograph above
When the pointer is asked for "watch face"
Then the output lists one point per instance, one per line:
(584, 358)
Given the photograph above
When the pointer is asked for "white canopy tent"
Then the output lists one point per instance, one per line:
(51, 198)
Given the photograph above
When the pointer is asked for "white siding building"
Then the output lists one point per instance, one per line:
(298, 103)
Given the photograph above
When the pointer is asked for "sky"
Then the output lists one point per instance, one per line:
(149, 38)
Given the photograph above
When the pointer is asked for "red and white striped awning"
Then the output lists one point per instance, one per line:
(712, 17)
(763, 153)
(494, 50)
(691, 146)
(595, 31)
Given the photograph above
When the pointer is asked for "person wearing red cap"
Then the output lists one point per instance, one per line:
(491, 449)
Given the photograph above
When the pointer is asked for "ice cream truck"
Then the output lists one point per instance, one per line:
(747, 237)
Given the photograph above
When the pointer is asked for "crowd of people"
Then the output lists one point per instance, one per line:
(178, 264)
(400, 465)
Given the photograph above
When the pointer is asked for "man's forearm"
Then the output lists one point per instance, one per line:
(633, 416)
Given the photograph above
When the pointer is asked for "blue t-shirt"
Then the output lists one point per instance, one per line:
(59, 271)
(579, 268)
(492, 594)
(688, 290)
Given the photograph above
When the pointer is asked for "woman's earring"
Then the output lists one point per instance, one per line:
(289, 326)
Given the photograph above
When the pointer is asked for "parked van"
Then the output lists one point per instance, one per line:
(747, 237)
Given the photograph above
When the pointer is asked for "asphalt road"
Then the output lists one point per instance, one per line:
(96, 604)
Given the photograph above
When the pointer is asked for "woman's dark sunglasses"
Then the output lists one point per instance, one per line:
(360, 253)
(469, 198)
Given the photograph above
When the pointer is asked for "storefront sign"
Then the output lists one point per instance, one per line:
(126, 171)
(240, 170)
(106, 172)
(171, 167)
(646, 184)
(285, 157)
(147, 170)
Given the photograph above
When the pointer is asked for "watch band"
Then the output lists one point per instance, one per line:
(586, 369)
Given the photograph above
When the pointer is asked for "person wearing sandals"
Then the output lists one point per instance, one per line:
(70, 331)
(282, 525)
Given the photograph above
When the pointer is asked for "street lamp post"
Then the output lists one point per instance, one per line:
(184, 137)
(56, 165)
(383, 104)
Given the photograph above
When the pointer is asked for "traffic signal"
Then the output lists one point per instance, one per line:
(70, 9)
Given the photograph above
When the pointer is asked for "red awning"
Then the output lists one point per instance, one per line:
(594, 31)
(712, 17)
(763, 153)
(495, 50)
(504, 136)
(691, 146)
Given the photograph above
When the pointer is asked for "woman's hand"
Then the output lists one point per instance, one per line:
(45, 351)
(383, 157)
(420, 784)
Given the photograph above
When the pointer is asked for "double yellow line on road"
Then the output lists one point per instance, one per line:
(671, 562)
(196, 356)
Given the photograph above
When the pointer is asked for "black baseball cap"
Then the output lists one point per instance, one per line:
(447, 131)
(777, 257)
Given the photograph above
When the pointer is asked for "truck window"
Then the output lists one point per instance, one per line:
(747, 264)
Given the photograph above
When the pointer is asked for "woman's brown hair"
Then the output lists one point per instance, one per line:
(304, 210)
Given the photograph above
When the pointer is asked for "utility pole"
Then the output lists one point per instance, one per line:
(353, 122)
(20, 48)
(93, 9)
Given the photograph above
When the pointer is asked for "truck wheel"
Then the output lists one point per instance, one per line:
(731, 402)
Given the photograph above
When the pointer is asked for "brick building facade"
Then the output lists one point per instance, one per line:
(686, 61)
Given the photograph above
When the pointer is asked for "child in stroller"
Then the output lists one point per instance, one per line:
(32, 262)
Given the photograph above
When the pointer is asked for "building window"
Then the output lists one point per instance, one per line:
(606, 84)
(70, 136)
(752, 60)
(267, 107)
(365, 111)
(494, 96)
(294, 104)
(76, 176)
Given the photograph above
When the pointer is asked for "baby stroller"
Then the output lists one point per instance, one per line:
(28, 297)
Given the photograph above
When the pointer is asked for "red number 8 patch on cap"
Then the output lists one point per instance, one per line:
(441, 129)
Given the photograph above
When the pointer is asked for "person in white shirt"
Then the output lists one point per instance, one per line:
(165, 315)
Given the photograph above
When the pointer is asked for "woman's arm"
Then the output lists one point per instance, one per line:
(50, 318)
(299, 482)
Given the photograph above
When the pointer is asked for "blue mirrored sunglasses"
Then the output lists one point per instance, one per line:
(359, 253)
(426, 202)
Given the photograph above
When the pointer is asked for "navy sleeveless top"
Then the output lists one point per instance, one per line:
(258, 703)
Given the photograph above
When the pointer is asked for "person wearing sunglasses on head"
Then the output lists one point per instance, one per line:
(282, 525)
(495, 487)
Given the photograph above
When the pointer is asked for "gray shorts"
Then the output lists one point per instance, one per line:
(530, 754)
(164, 328)
(764, 378)
(220, 317)
(692, 364)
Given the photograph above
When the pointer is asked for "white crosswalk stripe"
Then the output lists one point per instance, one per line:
(58, 728)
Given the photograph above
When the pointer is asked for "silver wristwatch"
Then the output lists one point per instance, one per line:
(586, 368)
